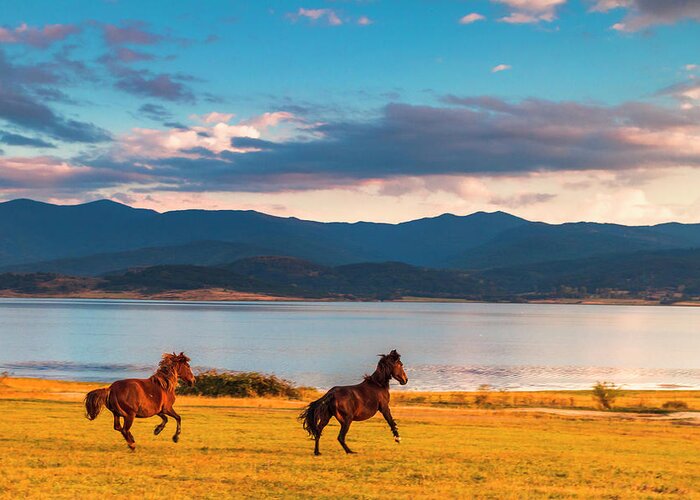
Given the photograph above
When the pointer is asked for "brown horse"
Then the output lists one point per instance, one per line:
(143, 398)
(356, 402)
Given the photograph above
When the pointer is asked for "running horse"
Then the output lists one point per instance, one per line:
(359, 402)
(142, 398)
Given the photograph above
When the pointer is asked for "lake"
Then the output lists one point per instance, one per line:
(445, 346)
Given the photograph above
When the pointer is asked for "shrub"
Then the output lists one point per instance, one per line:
(675, 405)
(240, 385)
(605, 393)
(483, 399)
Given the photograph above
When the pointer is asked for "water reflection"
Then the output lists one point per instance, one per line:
(445, 346)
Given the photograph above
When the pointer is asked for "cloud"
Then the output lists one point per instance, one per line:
(155, 112)
(126, 55)
(530, 11)
(364, 21)
(55, 174)
(327, 16)
(500, 67)
(21, 140)
(466, 136)
(23, 110)
(522, 200)
(214, 117)
(686, 93)
(129, 33)
(37, 37)
(214, 135)
(21, 104)
(144, 82)
(161, 86)
(643, 14)
(471, 18)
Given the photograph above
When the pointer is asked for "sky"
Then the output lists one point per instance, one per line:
(553, 110)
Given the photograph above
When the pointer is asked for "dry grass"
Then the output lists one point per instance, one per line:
(255, 448)
(627, 400)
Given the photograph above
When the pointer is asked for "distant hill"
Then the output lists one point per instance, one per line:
(668, 275)
(199, 253)
(538, 242)
(33, 235)
(638, 272)
(375, 280)
(106, 237)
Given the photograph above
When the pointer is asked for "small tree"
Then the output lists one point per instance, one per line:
(605, 393)
(483, 398)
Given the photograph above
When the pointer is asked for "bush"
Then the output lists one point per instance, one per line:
(675, 405)
(605, 393)
(240, 385)
(483, 398)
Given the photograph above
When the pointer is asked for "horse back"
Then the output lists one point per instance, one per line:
(139, 397)
(361, 401)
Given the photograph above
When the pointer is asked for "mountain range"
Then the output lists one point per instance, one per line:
(106, 237)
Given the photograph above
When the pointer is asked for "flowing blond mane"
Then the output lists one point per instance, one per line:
(166, 374)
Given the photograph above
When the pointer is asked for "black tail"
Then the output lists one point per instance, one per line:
(319, 411)
(94, 401)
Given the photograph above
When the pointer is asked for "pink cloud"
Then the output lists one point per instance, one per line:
(129, 33)
(317, 15)
(37, 37)
(215, 134)
(500, 67)
(471, 18)
(48, 172)
(530, 11)
(214, 117)
(364, 21)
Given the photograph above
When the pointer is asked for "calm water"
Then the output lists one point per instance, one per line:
(444, 346)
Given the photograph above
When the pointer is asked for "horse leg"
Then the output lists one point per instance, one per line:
(117, 424)
(392, 423)
(344, 427)
(128, 422)
(322, 423)
(171, 413)
(161, 425)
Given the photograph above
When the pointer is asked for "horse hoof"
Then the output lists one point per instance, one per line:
(317, 453)
(398, 440)
(157, 430)
(132, 447)
(176, 438)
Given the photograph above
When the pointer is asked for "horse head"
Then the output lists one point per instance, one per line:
(395, 366)
(181, 365)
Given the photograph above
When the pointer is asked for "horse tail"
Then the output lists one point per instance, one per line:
(317, 412)
(94, 401)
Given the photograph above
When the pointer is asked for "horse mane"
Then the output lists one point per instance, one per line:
(166, 374)
(382, 374)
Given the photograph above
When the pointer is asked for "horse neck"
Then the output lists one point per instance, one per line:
(380, 378)
(166, 377)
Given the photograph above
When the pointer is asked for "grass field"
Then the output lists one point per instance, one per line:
(255, 448)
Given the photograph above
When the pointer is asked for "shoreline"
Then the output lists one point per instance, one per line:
(60, 386)
(222, 295)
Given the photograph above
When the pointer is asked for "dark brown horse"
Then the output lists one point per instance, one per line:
(356, 402)
(143, 398)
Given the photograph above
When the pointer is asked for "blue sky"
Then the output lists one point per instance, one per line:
(348, 110)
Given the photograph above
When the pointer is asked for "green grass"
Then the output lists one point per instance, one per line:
(49, 450)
